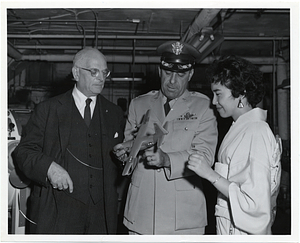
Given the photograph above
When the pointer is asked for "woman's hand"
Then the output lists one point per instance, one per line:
(197, 164)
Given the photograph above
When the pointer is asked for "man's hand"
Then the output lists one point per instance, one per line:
(59, 177)
(156, 157)
(120, 152)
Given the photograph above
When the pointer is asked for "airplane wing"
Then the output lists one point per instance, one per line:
(132, 160)
(143, 141)
(159, 134)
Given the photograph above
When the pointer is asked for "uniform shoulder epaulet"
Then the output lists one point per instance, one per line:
(198, 94)
(150, 93)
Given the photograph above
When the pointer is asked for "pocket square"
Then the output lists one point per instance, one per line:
(116, 135)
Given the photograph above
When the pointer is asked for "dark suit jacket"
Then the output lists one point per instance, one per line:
(44, 140)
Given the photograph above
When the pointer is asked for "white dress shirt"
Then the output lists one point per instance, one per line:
(80, 98)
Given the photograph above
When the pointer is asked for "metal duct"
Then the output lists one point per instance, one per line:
(203, 19)
(13, 53)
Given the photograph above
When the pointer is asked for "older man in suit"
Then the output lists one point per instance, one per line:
(164, 197)
(65, 150)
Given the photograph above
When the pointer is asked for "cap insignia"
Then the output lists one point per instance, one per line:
(177, 48)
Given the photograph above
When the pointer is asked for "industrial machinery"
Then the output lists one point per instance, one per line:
(18, 184)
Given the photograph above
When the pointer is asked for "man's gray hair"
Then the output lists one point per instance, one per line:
(85, 54)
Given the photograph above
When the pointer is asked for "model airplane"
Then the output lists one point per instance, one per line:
(141, 142)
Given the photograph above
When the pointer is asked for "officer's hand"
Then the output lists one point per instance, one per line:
(156, 157)
(59, 177)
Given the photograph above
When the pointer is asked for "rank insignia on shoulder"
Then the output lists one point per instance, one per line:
(188, 116)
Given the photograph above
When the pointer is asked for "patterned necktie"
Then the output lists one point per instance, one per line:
(167, 106)
(87, 112)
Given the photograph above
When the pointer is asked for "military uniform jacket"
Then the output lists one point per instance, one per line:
(171, 201)
(45, 139)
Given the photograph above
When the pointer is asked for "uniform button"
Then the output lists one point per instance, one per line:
(91, 176)
(91, 186)
(186, 128)
(89, 135)
(90, 145)
(158, 170)
(90, 155)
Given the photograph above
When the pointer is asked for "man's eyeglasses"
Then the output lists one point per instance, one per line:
(95, 72)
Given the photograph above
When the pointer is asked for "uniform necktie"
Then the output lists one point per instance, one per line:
(167, 106)
(87, 112)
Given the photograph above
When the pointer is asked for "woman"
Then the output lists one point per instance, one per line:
(247, 174)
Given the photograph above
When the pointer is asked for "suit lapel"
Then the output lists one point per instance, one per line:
(104, 116)
(104, 124)
(64, 113)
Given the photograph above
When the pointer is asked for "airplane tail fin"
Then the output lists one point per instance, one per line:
(129, 166)
(160, 132)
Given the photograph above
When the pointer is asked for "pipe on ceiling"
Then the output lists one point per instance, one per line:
(139, 59)
(232, 38)
(109, 58)
(53, 47)
(20, 21)
(115, 37)
(137, 37)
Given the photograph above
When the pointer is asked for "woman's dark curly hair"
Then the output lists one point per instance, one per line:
(240, 76)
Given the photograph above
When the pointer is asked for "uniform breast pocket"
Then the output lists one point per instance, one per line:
(183, 134)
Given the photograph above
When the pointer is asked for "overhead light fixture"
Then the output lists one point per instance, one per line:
(206, 41)
(127, 77)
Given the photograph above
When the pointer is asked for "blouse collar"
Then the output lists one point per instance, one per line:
(256, 114)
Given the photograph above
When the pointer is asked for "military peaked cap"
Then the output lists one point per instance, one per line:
(177, 56)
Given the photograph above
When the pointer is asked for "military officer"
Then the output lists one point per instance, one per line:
(164, 196)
